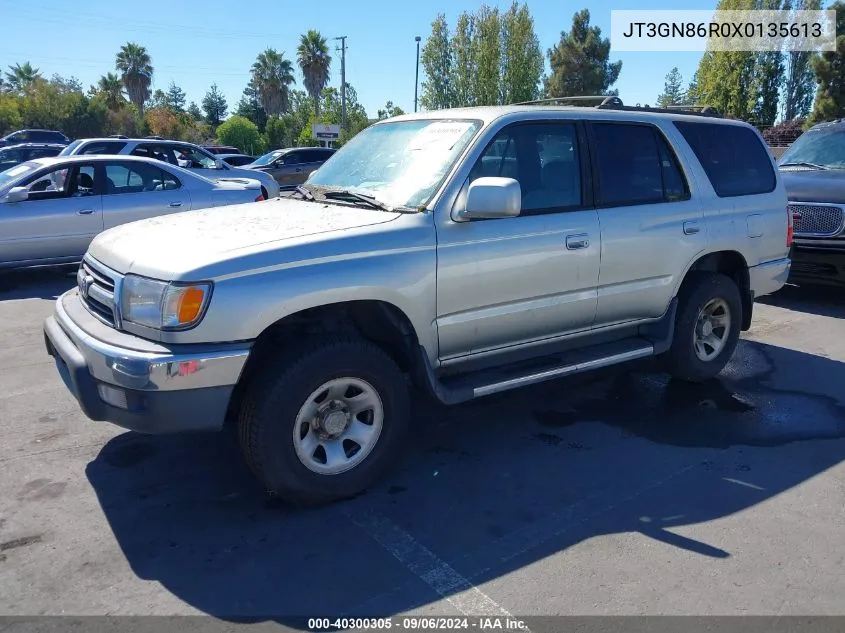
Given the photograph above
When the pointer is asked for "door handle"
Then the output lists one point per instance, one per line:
(691, 228)
(574, 242)
(85, 212)
(175, 204)
(298, 169)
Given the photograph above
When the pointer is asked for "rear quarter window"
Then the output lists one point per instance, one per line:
(733, 157)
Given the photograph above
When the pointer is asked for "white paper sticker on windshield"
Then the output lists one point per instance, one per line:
(20, 169)
(439, 136)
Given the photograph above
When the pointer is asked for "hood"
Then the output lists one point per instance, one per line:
(819, 185)
(172, 247)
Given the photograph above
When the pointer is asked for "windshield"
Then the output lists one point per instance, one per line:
(267, 158)
(825, 147)
(68, 150)
(13, 173)
(401, 163)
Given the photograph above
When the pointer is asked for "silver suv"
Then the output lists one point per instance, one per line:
(467, 252)
(186, 155)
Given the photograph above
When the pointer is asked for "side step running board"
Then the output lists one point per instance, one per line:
(487, 382)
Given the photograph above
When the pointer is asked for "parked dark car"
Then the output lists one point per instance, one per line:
(34, 136)
(17, 154)
(292, 166)
(236, 160)
(813, 170)
(221, 149)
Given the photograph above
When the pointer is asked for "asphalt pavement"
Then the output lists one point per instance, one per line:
(618, 493)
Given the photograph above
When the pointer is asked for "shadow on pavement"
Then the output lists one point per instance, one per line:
(37, 283)
(821, 300)
(488, 488)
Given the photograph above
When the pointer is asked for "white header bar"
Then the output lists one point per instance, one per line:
(682, 30)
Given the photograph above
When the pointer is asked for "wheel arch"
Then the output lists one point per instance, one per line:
(732, 264)
(377, 321)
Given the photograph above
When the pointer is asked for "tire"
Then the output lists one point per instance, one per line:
(272, 404)
(709, 291)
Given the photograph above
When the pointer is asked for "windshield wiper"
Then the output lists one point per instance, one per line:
(803, 164)
(302, 191)
(354, 196)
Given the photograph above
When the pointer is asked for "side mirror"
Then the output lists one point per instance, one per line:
(490, 198)
(16, 194)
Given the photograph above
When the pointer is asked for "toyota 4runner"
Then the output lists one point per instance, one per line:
(466, 252)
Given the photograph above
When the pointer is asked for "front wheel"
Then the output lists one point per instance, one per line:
(324, 422)
(707, 327)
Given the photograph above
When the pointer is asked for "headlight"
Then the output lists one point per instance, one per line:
(162, 305)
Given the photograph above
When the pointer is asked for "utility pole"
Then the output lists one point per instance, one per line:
(417, 80)
(342, 39)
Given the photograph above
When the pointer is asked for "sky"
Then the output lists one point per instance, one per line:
(197, 43)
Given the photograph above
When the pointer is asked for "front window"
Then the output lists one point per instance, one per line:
(69, 149)
(193, 158)
(268, 158)
(823, 148)
(401, 163)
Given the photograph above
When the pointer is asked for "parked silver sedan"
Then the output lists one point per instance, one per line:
(51, 208)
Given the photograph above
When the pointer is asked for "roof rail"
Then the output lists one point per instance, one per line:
(612, 102)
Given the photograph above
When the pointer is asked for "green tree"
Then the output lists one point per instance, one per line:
(163, 122)
(314, 60)
(673, 91)
(111, 89)
(176, 97)
(250, 107)
(136, 71)
(829, 69)
(157, 100)
(488, 55)
(521, 55)
(768, 75)
(214, 105)
(279, 132)
(464, 71)
(580, 61)
(389, 111)
(21, 77)
(10, 113)
(726, 79)
(194, 111)
(273, 78)
(242, 133)
(799, 82)
(437, 91)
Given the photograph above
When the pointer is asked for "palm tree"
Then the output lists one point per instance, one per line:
(273, 76)
(22, 77)
(111, 87)
(314, 60)
(136, 71)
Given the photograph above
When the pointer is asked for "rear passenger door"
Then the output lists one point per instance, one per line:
(651, 226)
(136, 190)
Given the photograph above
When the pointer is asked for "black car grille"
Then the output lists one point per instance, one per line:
(97, 290)
(815, 220)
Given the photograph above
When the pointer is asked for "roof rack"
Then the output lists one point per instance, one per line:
(612, 102)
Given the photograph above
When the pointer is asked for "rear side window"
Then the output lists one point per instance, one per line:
(635, 166)
(732, 156)
(106, 147)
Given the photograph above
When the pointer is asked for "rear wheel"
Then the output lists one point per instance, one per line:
(707, 327)
(324, 422)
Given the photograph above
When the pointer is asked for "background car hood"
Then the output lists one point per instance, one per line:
(819, 185)
(172, 246)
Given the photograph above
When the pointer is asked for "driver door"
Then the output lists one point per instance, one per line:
(58, 220)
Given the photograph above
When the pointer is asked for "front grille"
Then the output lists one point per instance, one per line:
(97, 290)
(816, 220)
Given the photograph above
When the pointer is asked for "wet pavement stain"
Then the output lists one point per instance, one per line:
(21, 542)
(39, 489)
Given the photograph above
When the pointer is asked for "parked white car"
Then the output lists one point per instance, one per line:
(177, 153)
(51, 208)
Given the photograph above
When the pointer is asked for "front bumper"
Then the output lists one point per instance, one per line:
(137, 384)
(824, 266)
